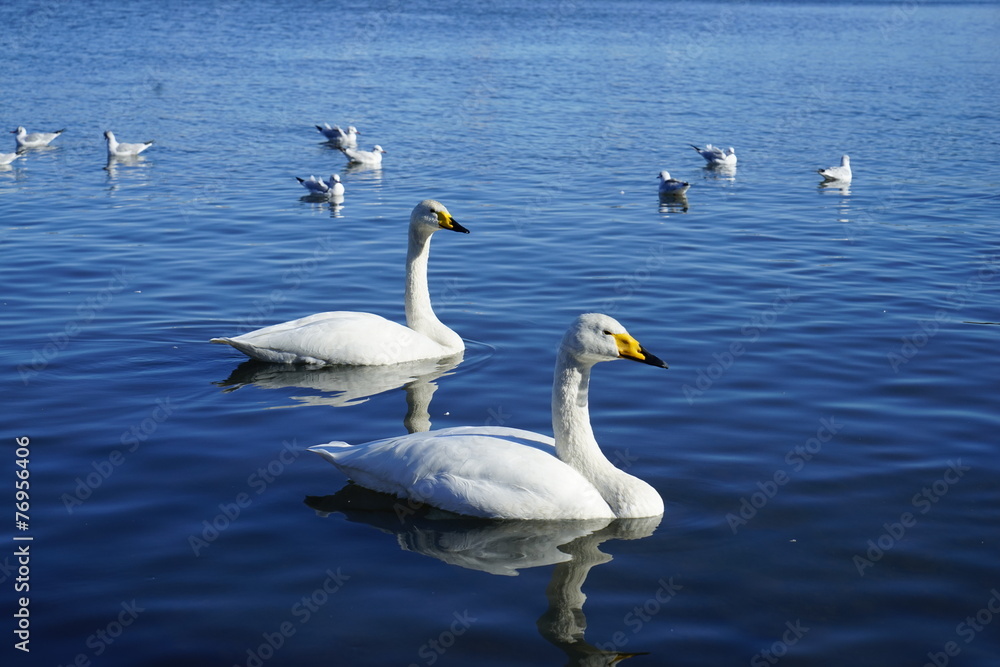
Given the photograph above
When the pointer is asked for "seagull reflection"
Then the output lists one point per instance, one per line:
(336, 206)
(673, 203)
(502, 547)
(721, 172)
(343, 386)
(372, 171)
(129, 161)
(841, 187)
(318, 201)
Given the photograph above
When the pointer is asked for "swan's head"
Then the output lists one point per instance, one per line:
(730, 151)
(664, 176)
(335, 178)
(109, 135)
(595, 337)
(431, 215)
(377, 149)
(352, 130)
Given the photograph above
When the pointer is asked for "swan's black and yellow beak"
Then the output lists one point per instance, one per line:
(629, 348)
(447, 222)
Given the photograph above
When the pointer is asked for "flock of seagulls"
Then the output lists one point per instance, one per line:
(28, 140)
(347, 143)
(716, 158)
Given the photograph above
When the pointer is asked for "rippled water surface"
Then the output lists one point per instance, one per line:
(825, 439)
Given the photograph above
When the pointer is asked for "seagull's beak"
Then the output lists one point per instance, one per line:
(447, 222)
(629, 348)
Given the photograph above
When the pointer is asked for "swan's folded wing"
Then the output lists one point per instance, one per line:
(492, 472)
(337, 337)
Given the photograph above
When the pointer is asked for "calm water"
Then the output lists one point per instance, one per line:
(825, 439)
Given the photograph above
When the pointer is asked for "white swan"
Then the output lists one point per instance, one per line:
(364, 339)
(671, 186)
(841, 173)
(317, 186)
(338, 137)
(35, 139)
(508, 473)
(371, 158)
(715, 155)
(116, 149)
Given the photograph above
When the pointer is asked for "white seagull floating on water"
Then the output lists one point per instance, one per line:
(35, 139)
(116, 149)
(364, 339)
(841, 173)
(507, 473)
(671, 186)
(372, 157)
(331, 188)
(7, 158)
(338, 137)
(715, 155)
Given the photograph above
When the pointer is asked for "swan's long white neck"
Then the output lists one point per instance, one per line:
(576, 445)
(419, 315)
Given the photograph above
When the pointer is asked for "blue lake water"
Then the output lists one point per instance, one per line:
(825, 439)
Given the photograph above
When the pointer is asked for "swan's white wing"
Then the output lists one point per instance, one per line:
(337, 337)
(481, 471)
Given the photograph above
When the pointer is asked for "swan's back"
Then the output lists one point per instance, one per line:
(482, 471)
(337, 337)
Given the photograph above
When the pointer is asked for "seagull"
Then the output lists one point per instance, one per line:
(7, 158)
(116, 149)
(372, 157)
(841, 173)
(715, 156)
(671, 186)
(338, 137)
(317, 186)
(35, 139)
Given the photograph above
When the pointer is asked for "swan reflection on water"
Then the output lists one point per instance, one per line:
(502, 547)
(344, 386)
